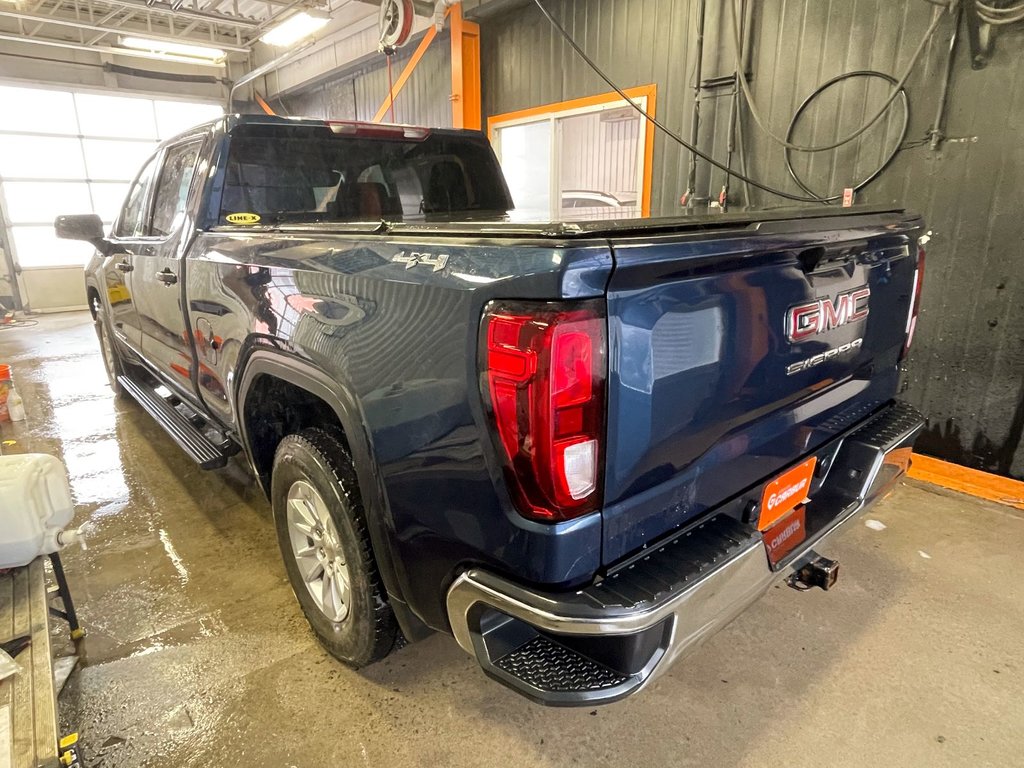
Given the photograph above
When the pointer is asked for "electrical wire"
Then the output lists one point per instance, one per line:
(999, 16)
(745, 87)
(661, 127)
(1000, 22)
(391, 89)
(994, 11)
(815, 94)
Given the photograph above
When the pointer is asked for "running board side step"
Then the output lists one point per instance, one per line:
(189, 437)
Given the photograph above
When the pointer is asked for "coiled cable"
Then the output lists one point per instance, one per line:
(901, 94)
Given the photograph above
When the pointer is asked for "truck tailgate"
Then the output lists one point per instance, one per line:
(734, 352)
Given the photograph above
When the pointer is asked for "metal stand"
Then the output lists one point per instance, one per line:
(68, 614)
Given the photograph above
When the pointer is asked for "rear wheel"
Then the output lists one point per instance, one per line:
(321, 530)
(111, 360)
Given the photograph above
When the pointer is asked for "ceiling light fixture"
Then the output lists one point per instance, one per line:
(294, 28)
(175, 49)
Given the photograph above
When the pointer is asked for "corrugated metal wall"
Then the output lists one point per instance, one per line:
(967, 366)
(358, 95)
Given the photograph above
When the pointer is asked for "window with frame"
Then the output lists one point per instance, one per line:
(172, 190)
(584, 159)
(292, 174)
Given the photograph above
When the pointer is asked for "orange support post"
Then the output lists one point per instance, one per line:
(466, 111)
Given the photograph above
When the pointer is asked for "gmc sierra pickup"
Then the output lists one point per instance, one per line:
(579, 448)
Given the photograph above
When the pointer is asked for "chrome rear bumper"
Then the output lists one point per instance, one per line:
(607, 641)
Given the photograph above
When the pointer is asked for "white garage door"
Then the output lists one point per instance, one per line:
(73, 152)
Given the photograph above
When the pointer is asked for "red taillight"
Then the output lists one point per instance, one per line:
(543, 377)
(915, 302)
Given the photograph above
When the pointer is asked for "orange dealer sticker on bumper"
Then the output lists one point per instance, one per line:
(784, 492)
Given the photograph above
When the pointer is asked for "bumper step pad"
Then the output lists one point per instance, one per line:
(549, 666)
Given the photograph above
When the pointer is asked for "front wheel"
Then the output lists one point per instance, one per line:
(111, 359)
(321, 530)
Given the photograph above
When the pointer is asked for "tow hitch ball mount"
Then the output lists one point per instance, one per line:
(817, 572)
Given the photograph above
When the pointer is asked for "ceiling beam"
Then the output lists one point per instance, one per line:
(96, 28)
(110, 50)
(188, 13)
(106, 20)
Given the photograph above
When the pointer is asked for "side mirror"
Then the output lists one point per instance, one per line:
(83, 226)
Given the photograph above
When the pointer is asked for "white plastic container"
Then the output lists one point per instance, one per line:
(35, 506)
(15, 405)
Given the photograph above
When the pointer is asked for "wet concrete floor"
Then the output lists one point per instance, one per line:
(197, 653)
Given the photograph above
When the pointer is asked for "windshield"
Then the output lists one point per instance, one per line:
(308, 173)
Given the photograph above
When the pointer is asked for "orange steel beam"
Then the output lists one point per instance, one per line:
(1004, 490)
(407, 72)
(263, 105)
(465, 71)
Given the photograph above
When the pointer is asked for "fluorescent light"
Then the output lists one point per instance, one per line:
(176, 49)
(294, 28)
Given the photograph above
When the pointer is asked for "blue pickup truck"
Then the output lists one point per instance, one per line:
(580, 448)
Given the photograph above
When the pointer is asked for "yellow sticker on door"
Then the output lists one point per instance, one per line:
(243, 218)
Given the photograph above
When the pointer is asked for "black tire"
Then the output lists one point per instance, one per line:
(368, 631)
(108, 352)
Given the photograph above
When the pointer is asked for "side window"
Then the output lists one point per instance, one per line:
(131, 221)
(172, 189)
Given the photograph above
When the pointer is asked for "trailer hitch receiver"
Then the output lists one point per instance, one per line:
(818, 572)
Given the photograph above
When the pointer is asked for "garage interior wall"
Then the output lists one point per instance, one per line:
(967, 363)
(358, 94)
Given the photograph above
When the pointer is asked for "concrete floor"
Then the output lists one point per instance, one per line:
(197, 653)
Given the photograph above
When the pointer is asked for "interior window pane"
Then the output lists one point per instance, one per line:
(40, 202)
(115, 116)
(39, 247)
(37, 109)
(115, 160)
(526, 161)
(599, 156)
(36, 157)
(107, 198)
(133, 222)
(172, 190)
(173, 117)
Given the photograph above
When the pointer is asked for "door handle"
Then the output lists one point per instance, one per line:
(167, 277)
(124, 265)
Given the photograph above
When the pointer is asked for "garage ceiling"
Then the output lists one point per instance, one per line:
(101, 25)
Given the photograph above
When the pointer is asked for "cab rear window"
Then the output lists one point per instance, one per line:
(297, 174)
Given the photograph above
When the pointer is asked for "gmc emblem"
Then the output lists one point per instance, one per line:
(805, 320)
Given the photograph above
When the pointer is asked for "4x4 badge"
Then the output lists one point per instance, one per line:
(416, 258)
